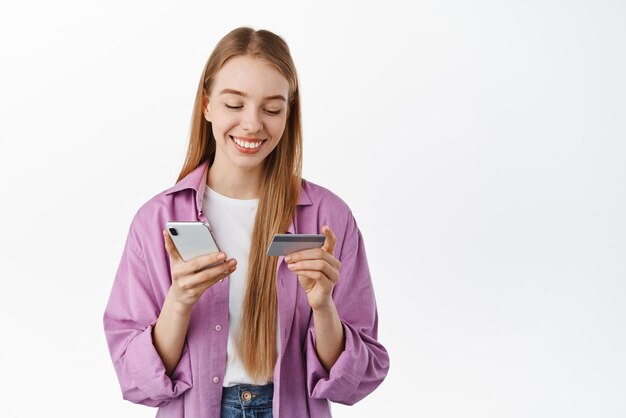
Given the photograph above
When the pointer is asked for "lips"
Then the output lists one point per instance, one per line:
(247, 145)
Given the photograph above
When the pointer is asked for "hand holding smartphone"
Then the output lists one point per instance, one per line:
(196, 261)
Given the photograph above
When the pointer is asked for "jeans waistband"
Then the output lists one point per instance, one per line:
(248, 395)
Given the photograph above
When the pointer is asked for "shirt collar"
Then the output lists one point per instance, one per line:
(196, 180)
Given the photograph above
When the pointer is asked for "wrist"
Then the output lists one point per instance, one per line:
(325, 308)
(177, 307)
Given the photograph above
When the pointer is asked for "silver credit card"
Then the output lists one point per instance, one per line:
(283, 244)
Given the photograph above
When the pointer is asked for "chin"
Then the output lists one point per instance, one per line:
(248, 165)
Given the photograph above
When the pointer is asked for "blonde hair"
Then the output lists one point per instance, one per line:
(278, 196)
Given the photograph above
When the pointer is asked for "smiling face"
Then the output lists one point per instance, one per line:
(247, 108)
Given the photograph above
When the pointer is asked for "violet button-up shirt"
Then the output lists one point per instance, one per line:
(302, 387)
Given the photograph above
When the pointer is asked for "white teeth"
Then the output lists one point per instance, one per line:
(246, 144)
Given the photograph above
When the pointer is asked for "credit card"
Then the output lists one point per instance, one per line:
(283, 244)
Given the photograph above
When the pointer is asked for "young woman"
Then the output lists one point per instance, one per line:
(256, 335)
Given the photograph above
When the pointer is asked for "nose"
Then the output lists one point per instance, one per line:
(251, 121)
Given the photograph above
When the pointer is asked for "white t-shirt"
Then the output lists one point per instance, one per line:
(232, 221)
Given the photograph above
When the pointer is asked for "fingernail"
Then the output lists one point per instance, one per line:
(288, 258)
(221, 256)
(290, 266)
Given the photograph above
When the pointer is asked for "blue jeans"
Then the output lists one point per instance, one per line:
(247, 401)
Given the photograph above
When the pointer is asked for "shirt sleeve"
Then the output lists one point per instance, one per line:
(364, 362)
(129, 318)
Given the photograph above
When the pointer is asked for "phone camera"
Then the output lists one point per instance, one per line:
(173, 231)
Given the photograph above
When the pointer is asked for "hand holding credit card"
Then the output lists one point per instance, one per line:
(283, 244)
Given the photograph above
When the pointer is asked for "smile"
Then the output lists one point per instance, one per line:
(247, 145)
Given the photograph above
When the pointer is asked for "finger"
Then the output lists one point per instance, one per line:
(201, 262)
(171, 248)
(330, 241)
(313, 254)
(206, 282)
(209, 276)
(319, 277)
(315, 265)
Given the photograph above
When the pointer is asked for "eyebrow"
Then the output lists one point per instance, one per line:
(241, 93)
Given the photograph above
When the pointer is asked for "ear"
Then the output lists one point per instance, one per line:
(205, 108)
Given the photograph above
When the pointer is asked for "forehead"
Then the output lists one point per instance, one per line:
(252, 76)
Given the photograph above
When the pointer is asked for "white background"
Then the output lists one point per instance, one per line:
(481, 145)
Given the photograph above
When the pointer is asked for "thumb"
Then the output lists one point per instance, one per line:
(330, 241)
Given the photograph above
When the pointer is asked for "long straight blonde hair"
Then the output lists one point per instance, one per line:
(278, 196)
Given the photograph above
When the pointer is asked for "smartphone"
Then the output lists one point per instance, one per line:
(283, 244)
(192, 239)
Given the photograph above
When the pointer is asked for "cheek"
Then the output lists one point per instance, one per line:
(276, 127)
(223, 124)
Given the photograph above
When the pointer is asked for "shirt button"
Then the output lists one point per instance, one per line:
(216, 379)
(218, 328)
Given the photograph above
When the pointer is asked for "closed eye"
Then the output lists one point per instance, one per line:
(269, 112)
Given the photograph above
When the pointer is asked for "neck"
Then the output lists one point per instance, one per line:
(234, 182)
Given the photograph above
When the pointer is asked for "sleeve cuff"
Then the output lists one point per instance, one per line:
(342, 381)
(148, 372)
